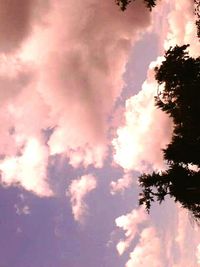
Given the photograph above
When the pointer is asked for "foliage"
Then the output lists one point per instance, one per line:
(123, 4)
(180, 99)
(197, 13)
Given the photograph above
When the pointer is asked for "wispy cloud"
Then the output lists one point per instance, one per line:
(182, 28)
(129, 223)
(24, 210)
(121, 184)
(77, 192)
(148, 250)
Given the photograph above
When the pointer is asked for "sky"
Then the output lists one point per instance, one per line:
(79, 125)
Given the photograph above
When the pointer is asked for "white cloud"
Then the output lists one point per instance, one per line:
(16, 21)
(121, 184)
(182, 28)
(129, 223)
(147, 130)
(148, 251)
(138, 145)
(25, 210)
(62, 78)
(186, 239)
(198, 254)
(28, 169)
(77, 192)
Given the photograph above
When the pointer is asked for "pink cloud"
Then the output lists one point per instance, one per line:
(182, 28)
(187, 239)
(129, 223)
(84, 77)
(28, 169)
(16, 21)
(148, 251)
(61, 67)
(121, 184)
(138, 142)
(146, 131)
(77, 192)
(176, 245)
(198, 254)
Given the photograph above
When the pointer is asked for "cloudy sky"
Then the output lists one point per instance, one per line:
(78, 126)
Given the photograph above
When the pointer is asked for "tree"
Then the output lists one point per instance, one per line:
(197, 13)
(123, 4)
(180, 76)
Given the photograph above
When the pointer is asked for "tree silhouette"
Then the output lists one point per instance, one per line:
(180, 75)
(123, 4)
(197, 13)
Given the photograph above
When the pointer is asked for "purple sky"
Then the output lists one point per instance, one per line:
(78, 126)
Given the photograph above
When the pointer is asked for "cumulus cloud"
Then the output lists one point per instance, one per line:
(182, 28)
(121, 184)
(148, 250)
(84, 78)
(147, 130)
(129, 223)
(28, 169)
(138, 145)
(139, 142)
(176, 245)
(186, 240)
(77, 192)
(61, 68)
(16, 20)
(198, 254)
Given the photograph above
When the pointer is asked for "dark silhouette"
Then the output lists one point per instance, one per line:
(197, 13)
(180, 99)
(123, 4)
